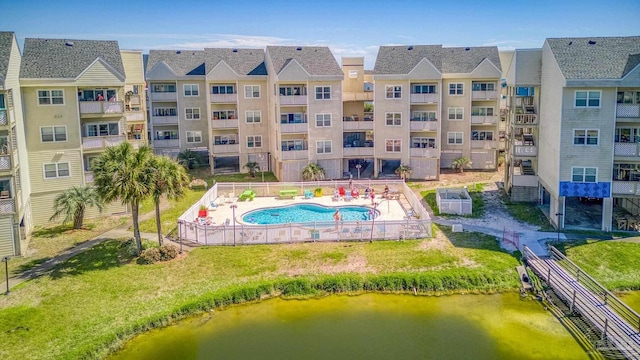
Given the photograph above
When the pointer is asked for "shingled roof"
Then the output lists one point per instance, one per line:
(463, 60)
(316, 60)
(64, 59)
(242, 61)
(6, 41)
(182, 62)
(402, 59)
(596, 57)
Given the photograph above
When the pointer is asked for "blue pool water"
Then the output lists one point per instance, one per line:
(305, 213)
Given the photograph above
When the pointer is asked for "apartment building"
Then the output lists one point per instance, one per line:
(306, 83)
(15, 189)
(77, 101)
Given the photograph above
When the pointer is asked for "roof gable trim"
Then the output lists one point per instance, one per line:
(106, 65)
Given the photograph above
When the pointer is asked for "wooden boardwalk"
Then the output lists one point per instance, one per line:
(613, 319)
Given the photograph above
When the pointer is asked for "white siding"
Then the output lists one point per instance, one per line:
(528, 67)
(7, 245)
(98, 74)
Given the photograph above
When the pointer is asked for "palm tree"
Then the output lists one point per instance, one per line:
(403, 171)
(312, 172)
(461, 163)
(170, 179)
(73, 202)
(253, 167)
(189, 159)
(127, 175)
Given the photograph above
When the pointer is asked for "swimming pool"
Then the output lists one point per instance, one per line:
(301, 213)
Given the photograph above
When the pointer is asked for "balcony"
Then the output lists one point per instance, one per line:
(295, 154)
(293, 100)
(525, 180)
(525, 119)
(626, 149)
(224, 98)
(625, 188)
(484, 95)
(421, 125)
(350, 123)
(7, 205)
(424, 98)
(166, 143)
(106, 108)
(483, 120)
(357, 96)
(101, 142)
(88, 177)
(164, 96)
(348, 150)
(164, 120)
(484, 144)
(5, 117)
(626, 111)
(525, 150)
(226, 148)
(5, 162)
(423, 152)
(224, 124)
(133, 116)
(294, 128)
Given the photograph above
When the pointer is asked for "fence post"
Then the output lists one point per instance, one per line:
(549, 277)
(206, 239)
(573, 301)
(604, 332)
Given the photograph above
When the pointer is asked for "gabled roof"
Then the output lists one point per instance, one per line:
(65, 59)
(182, 62)
(316, 60)
(463, 60)
(402, 59)
(6, 42)
(242, 61)
(597, 57)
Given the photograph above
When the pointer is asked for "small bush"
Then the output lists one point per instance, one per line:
(168, 252)
(149, 256)
(129, 247)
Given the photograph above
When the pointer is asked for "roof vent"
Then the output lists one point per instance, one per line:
(178, 52)
(235, 50)
(298, 48)
(570, 42)
(410, 48)
(591, 42)
(467, 49)
(69, 43)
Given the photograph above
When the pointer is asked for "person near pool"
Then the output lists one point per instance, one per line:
(337, 217)
(373, 196)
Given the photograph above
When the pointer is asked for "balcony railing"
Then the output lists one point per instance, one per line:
(625, 187)
(525, 180)
(421, 125)
(224, 124)
(358, 151)
(357, 96)
(357, 125)
(294, 128)
(424, 98)
(484, 95)
(423, 152)
(224, 98)
(134, 115)
(168, 143)
(5, 161)
(525, 150)
(4, 120)
(295, 154)
(164, 96)
(484, 144)
(101, 107)
(101, 142)
(226, 148)
(525, 119)
(293, 100)
(7, 206)
(164, 120)
(628, 110)
(479, 119)
(625, 149)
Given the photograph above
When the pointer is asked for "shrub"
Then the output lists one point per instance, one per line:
(168, 252)
(129, 247)
(149, 256)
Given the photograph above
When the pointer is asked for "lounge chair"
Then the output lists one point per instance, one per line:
(341, 192)
(348, 196)
(308, 194)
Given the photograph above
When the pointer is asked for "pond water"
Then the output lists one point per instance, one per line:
(370, 326)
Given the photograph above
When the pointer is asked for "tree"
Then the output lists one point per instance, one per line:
(313, 172)
(170, 179)
(460, 163)
(252, 166)
(368, 107)
(189, 159)
(122, 173)
(73, 202)
(403, 171)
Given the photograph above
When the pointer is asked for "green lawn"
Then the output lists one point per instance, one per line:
(475, 192)
(205, 173)
(169, 218)
(528, 213)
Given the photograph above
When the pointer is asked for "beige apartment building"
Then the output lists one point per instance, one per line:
(15, 189)
(79, 97)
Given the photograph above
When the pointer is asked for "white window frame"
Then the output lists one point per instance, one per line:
(255, 139)
(57, 170)
(224, 139)
(323, 120)
(587, 99)
(49, 96)
(457, 135)
(251, 114)
(324, 93)
(193, 135)
(53, 133)
(393, 119)
(425, 142)
(191, 88)
(225, 87)
(482, 135)
(483, 110)
(393, 92)
(353, 74)
(424, 115)
(456, 89)
(228, 113)
(394, 144)
(487, 85)
(252, 91)
(584, 174)
(195, 113)
(321, 146)
(98, 124)
(163, 111)
(585, 137)
(414, 87)
(457, 112)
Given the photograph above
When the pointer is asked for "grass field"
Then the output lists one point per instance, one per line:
(475, 192)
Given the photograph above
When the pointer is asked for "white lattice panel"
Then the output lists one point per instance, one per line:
(623, 187)
(628, 110)
(3, 117)
(7, 206)
(625, 149)
(5, 162)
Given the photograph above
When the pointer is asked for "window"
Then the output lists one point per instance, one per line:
(323, 120)
(53, 133)
(293, 90)
(424, 116)
(164, 111)
(166, 135)
(2, 105)
(626, 172)
(456, 113)
(323, 147)
(393, 145)
(163, 88)
(251, 91)
(454, 138)
(456, 89)
(254, 141)
(191, 90)
(627, 135)
(624, 97)
(194, 136)
(292, 145)
(480, 86)
(394, 119)
(56, 170)
(252, 116)
(482, 135)
(481, 111)
(423, 142)
(323, 92)
(97, 94)
(588, 99)
(296, 118)
(584, 174)
(393, 91)
(423, 89)
(102, 129)
(192, 113)
(223, 114)
(224, 140)
(353, 74)
(222, 89)
(586, 137)
(50, 97)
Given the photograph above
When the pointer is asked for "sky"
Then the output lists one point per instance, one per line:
(349, 28)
